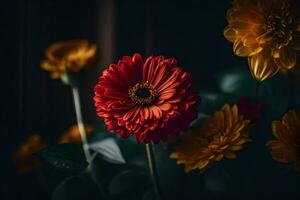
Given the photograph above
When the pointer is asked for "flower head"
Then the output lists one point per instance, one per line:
(24, 159)
(68, 56)
(220, 136)
(286, 147)
(265, 31)
(72, 135)
(150, 100)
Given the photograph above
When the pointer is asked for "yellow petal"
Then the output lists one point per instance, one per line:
(228, 119)
(241, 50)
(287, 59)
(230, 34)
(230, 155)
(55, 75)
(202, 164)
(282, 133)
(262, 67)
(187, 168)
(234, 111)
(218, 157)
(284, 155)
(291, 119)
(235, 148)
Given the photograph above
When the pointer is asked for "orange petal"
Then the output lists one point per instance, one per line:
(165, 106)
(156, 112)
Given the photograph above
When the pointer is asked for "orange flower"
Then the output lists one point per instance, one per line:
(24, 159)
(286, 147)
(72, 135)
(68, 56)
(265, 31)
(220, 136)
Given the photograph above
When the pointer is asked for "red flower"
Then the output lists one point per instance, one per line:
(249, 109)
(151, 100)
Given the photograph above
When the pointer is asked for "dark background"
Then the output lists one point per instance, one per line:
(191, 31)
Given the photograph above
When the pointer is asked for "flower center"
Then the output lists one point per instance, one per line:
(280, 25)
(142, 94)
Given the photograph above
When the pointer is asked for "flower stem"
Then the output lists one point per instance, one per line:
(153, 170)
(85, 144)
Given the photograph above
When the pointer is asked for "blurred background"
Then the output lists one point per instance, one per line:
(191, 31)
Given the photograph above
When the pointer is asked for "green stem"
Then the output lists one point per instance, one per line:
(85, 144)
(153, 170)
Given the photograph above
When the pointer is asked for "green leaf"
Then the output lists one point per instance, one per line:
(133, 152)
(199, 121)
(64, 157)
(124, 182)
(109, 150)
(237, 81)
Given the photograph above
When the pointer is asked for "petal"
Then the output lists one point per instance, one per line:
(230, 155)
(138, 60)
(262, 67)
(157, 113)
(165, 106)
(145, 113)
(227, 119)
(287, 59)
(241, 50)
(280, 152)
(202, 164)
(163, 71)
(131, 114)
(235, 148)
(167, 94)
(230, 34)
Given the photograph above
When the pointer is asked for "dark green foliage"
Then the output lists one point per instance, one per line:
(64, 157)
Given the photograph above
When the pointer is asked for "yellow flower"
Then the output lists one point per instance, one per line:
(220, 136)
(72, 135)
(68, 56)
(265, 31)
(286, 147)
(24, 158)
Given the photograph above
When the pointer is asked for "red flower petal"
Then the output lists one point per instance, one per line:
(151, 100)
